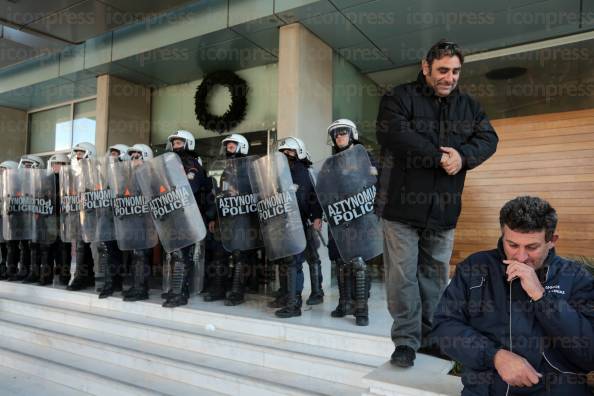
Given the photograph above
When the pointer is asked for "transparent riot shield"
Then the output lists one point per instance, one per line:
(134, 227)
(172, 204)
(69, 204)
(96, 214)
(17, 201)
(236, 205)
(278, 210)
(44, 211)
(345, 187)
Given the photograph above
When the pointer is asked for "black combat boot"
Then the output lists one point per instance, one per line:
(315, 275)
(24, 261)
(139, 290)
(216, 290)
(362, 287)
(83, 276)
(34, 268)
(12, 260)
(64, 262)
(46, 275)
(280, 296)
(180, 278)
(236, 294)
(293, 307)
(3, 267)
(344, 277)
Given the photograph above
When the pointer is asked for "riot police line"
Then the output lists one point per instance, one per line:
(129, 201)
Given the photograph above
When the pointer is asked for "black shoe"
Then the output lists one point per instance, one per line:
(3, 272)
(315, 299)
(433, 350)
(214, 295)
(362, 320)
(166, 295)
(278, 302)
(234, 299)
(105, 291)
(79, 284)
(403, 356)
(175, 300)
(31, 279)
(136, 295)
(342, 310)
(289, 311)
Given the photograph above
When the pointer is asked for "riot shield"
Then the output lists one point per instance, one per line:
(96, 214)
(17, 201)
(44, 211)
(69, 204)
(278, 210)
(346, 190)
(1, 209)
(236, 205)
(133, 224)
(173, 207)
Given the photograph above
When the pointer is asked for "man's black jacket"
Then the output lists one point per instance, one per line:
(556, 332)
(412, 124)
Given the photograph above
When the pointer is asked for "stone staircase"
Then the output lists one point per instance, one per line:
(66, 343)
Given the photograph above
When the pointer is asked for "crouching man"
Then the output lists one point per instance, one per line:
(519, 318)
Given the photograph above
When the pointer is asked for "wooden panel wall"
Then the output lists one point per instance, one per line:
(551, 156)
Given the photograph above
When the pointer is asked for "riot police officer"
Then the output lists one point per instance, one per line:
(309, 208)
(183, 144)
(235, 146)
(109, 255)
(141, 258)
(30, 257)
(9, 249)
(55, 258)
(84, 275)
(353, 295)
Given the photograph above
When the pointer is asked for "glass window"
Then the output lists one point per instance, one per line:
(50, 130)
(54, 129)
(84, 122)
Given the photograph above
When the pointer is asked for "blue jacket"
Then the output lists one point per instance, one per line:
(473, 321)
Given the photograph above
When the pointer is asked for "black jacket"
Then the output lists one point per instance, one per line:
(473, 321)
(412, 124)
(201, 185)
(309, 207)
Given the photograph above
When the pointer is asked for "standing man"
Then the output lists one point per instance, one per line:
(430, 134)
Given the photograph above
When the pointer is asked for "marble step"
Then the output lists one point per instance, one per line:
(212, 315)
(317, 362)
(171, 365)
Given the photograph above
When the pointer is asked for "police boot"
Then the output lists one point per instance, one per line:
(345, 304)
(24, 261)
(293, 307)
(142, 268)
(280, 297)
(46, 275)
(180, 278)
(216, 290)
(33, 275)
(315, 275)
(362, 286)
(64, 262)
(3, 267)
(83, 274)
(12, 260)
(236, 296)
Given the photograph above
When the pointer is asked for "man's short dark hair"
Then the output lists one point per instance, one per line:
(444, 48)
(529, 214)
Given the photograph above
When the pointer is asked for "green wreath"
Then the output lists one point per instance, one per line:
(236, 111)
